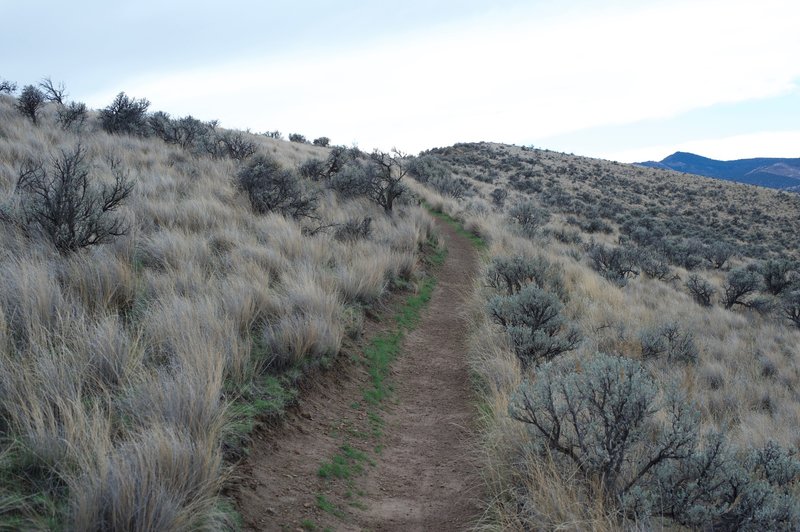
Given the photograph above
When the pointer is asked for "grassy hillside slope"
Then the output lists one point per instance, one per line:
(131, 370)
(587, 257)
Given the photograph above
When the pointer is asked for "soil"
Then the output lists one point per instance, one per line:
(419, 473)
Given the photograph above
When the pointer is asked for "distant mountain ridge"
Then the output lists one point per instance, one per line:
(768, 172)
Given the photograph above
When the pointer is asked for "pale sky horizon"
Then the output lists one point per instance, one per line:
(618, 79)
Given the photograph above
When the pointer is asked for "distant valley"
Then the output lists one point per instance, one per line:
(763, 171)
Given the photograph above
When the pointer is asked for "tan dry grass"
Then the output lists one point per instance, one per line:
(120, 362)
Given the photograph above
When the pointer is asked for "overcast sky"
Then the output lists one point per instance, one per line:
(619, 79)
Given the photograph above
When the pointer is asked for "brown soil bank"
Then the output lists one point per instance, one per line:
(422, 475)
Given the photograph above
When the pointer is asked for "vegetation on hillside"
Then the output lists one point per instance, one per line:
(166, 283)
(634, 342)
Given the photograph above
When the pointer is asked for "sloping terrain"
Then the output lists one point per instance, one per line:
(636, 337)
(166, 287)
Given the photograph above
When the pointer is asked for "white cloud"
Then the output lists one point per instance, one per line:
(760, 144)
(515, 76)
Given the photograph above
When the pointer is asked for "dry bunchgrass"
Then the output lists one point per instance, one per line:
(745, 379)
(119, 364)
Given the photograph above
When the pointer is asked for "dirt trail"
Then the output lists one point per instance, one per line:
(423, 477)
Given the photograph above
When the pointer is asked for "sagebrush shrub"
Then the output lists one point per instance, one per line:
(600, 414)
(67, 205)
(670, 340)
(125, 115)
(528, 218)
(655, 265)
(532, 317)
(739, 284)
(498, 196)
(702, 291)
(187, 132)
(717, 488)
(231, 144)
(53, 92)
(272, 188)
(312, 168)
(778, 275)
(512, 273)
(72, 116)
(447, 185)
(617, 264)
(790, 304)
(350, 181)
(30, 101)
(354, 229)
(641, 445)
(385, 173)
(7, 87)
(425, 167)
(718, 254)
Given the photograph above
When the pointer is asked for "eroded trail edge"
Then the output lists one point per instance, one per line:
(336, 464)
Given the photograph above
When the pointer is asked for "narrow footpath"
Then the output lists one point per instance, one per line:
(418, 472)
(425, 478)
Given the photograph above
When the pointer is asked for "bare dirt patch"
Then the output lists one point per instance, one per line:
(338, 463)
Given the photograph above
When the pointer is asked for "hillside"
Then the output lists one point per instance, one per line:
(635, 339)
(171, 287)
(611, 200)
(778, 173)
(167, 285)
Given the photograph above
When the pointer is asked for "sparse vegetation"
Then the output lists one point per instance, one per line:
(676, 425)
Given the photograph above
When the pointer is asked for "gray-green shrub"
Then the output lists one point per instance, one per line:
(778, 275)
(498, 196)
(670, 340)
(790, 304)
(641, 445)
(125, 116)
(272, 188)
(538, 331)
(702, 291)
(72, 116)
(512, 273)
(30, 101)
(717, 488)
(528, 218)
(739, 285)
(600, 414)
(718, 253)
(617, 264)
